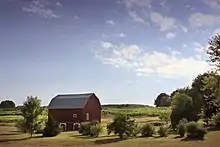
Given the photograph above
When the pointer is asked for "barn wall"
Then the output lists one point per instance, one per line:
(66, 115)
(92, 107)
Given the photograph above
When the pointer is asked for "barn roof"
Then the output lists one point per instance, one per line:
(69, 101)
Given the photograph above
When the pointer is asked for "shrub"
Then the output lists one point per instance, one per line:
(122, 125)
(84, 128)
(52, 128)
(216, 120)
(92, 129)
(95, 130)
(162, 131)
(181, 128)
(195, 131)
(165, 117)
(147, 130)
(135, 130)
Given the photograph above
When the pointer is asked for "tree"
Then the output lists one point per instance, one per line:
(211, 95)
(52, 128)
(182, 107)
(30, 112)
(162, 100)
(122, 125)
(213, 50)
(7, 104)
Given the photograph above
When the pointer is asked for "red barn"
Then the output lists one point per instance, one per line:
(70, 110)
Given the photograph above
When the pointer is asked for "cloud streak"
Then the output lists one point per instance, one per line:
(40, 8)
(142, 63)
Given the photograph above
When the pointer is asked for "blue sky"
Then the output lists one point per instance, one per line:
(126, 51)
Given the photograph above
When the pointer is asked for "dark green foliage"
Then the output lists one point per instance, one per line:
(162, 100)
(7, 104)
(135, 129)
(122, 125)
(181, 128)
(163, 131)
(147, 130)
(182, 107)
(195, 131)
(30, 112)
(165, 117)
(216, 120)
(52, 128)
(92, 129)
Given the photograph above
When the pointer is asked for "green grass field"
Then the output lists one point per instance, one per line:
(10, 137)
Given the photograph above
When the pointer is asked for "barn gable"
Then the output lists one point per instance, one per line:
(69, 101)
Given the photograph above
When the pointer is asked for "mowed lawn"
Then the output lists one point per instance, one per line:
(9, 137)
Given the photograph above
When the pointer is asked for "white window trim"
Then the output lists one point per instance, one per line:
(87, 116)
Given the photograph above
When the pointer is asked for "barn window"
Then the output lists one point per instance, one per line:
(74, 115)
(87, 116)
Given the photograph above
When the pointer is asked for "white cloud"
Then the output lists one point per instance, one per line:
(58, 4)
(136, 17)
(76, 17)
(138, 3)
(170, 35)
(215, 4)
(171, 64)
(184, 28)
(200, 50)
(165, 23)
(111, 22)
(199, 19)
(122, 35)
(40, 8)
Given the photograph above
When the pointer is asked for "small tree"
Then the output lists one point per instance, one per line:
(163, 131)
(182, 107)
(121, 125)
(30, 112)
(52, 128)
(147, 130)
(92, 129)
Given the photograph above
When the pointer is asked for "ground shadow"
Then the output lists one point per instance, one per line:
(214, 129)
(107, 141)
(191, 139)
(177, 137)
(8, 140)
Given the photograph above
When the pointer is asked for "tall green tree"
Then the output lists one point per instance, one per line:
(162, 100)
(30, 112)
(182, 107)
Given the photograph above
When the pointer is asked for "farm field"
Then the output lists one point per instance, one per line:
(13, 115)
(9, 137)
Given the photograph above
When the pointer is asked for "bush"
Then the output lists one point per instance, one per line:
(165, 117)
(52, 128)
(95, 130)
(121, 125)
(163, 131)
(147, 130)
(92, 129)
(135, 130)
(195, 131)
(181, 128)
(216, 120)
